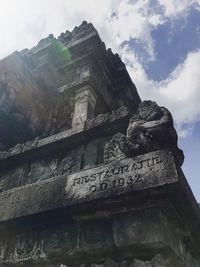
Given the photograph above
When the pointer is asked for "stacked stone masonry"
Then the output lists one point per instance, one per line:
(90, 175)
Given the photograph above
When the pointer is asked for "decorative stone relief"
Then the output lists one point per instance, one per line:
(70, 242)
(28, 249)
(31, 144)
(59, 241)
(42, 170)
(21, 249)
(85, 244)
(119, 113)
(52, 167)
(19, 148)
(150, 128)
(108, 117)
(2, 251)
(71, 162)
(98, 120)
(24, 251)
(113, 149)
(15, 150)
(85, 102)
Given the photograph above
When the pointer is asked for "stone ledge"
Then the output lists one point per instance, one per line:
(152, 170)
(80, 132)
(140, 234)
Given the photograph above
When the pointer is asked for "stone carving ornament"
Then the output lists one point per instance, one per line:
(78, 32)
(107, 118)
(150, 128)
(21, 250)
(19, 148)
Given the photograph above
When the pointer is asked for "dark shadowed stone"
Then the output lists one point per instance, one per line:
(78, 242)
(139, 263)
(142, 229)
(159, 261)
(15, 177)
(90, 157)
(111, 263)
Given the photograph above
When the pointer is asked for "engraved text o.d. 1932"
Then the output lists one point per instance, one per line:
(126, 175)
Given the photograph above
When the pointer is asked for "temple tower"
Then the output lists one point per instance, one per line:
(90, 175)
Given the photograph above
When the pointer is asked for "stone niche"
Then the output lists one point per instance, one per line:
(98, 180)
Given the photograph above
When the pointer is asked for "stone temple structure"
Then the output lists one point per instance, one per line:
(90, 176)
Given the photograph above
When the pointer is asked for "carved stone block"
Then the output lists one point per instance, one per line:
(14, 177)
(65, 163)
(85, 102)
(90, 158)
(150, 128)
(152, 170)
(71, 161)
(142, 233)
(136, 174)
(143, 229)
(111, 263)
(41, 170)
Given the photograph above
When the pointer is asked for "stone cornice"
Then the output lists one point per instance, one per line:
(102, 121)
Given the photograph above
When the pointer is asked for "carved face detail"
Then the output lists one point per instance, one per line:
(149, 110)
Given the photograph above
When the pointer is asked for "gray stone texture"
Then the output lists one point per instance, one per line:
(90, 176)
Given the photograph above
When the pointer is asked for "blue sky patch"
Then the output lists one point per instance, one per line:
(173, 40)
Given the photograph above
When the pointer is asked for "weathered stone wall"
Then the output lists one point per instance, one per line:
(70, 158)
(101, 185)
(38, 87)
(137, 239)
(119, 214)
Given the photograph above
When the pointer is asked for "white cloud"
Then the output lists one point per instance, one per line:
(180, 92)
(175, 7)
(23, 23)
(133, 20)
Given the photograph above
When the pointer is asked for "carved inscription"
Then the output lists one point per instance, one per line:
(131, 174)
(117, 171)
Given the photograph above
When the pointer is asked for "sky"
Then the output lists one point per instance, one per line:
(159, 41)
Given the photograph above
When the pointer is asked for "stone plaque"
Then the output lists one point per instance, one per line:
(151, 170)
(132, 174)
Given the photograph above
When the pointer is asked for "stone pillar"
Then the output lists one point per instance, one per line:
(85, 102)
